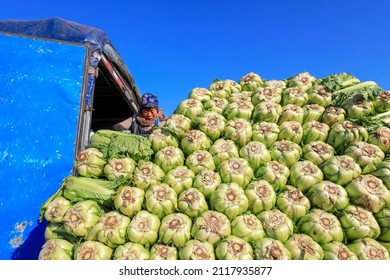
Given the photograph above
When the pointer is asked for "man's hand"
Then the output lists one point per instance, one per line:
(118, 127)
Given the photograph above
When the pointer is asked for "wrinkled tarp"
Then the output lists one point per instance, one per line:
(64, 30)
(58, 29)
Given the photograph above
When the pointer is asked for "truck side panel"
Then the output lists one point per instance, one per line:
(41, 84)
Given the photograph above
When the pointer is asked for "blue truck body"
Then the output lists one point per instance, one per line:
(49, 91)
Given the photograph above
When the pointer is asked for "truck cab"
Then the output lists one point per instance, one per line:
(59, 82)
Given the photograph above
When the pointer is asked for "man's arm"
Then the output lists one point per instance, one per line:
(124, 125)
(162, 118)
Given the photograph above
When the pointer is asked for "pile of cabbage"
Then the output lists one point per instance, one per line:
(255, 169)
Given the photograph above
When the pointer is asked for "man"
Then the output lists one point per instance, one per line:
(149, 116)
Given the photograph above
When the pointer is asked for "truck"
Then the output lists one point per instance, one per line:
(59, 82)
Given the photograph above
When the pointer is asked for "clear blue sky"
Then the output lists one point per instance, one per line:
(173, 46)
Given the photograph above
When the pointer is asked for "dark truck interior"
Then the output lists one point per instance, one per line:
(109, 104)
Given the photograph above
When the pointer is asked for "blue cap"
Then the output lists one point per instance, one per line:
(149, 101)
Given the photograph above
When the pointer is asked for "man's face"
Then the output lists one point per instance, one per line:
(149, 113)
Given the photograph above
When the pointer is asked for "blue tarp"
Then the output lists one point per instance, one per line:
(41, 85)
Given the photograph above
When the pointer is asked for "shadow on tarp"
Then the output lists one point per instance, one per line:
(31, 247)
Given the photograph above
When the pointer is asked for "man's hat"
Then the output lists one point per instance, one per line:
(149, 101)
